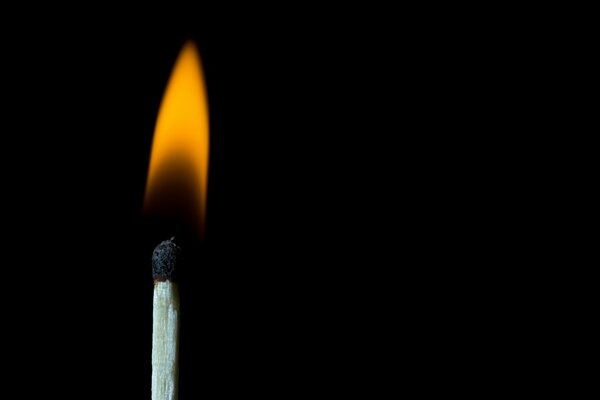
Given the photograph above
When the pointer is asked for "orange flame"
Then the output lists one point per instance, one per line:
(179, 155)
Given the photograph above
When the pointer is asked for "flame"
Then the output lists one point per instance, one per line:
(179, 157)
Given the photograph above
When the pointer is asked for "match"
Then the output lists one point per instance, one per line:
(165, 324)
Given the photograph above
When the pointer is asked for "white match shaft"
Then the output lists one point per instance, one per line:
(165, 332)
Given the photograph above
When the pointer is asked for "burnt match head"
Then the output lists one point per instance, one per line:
(164, 258)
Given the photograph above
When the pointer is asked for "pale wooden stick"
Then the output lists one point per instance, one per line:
(165, 335)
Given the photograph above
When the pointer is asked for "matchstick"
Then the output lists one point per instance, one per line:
(165, 324)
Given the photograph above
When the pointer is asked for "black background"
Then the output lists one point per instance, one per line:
(331, 197)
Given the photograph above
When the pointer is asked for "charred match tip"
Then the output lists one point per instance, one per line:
(164, 258)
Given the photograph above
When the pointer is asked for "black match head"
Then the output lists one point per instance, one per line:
(164, 258)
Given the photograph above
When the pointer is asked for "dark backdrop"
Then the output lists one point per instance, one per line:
(329, 182)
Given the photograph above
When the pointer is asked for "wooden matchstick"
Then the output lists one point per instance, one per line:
(165, 324)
